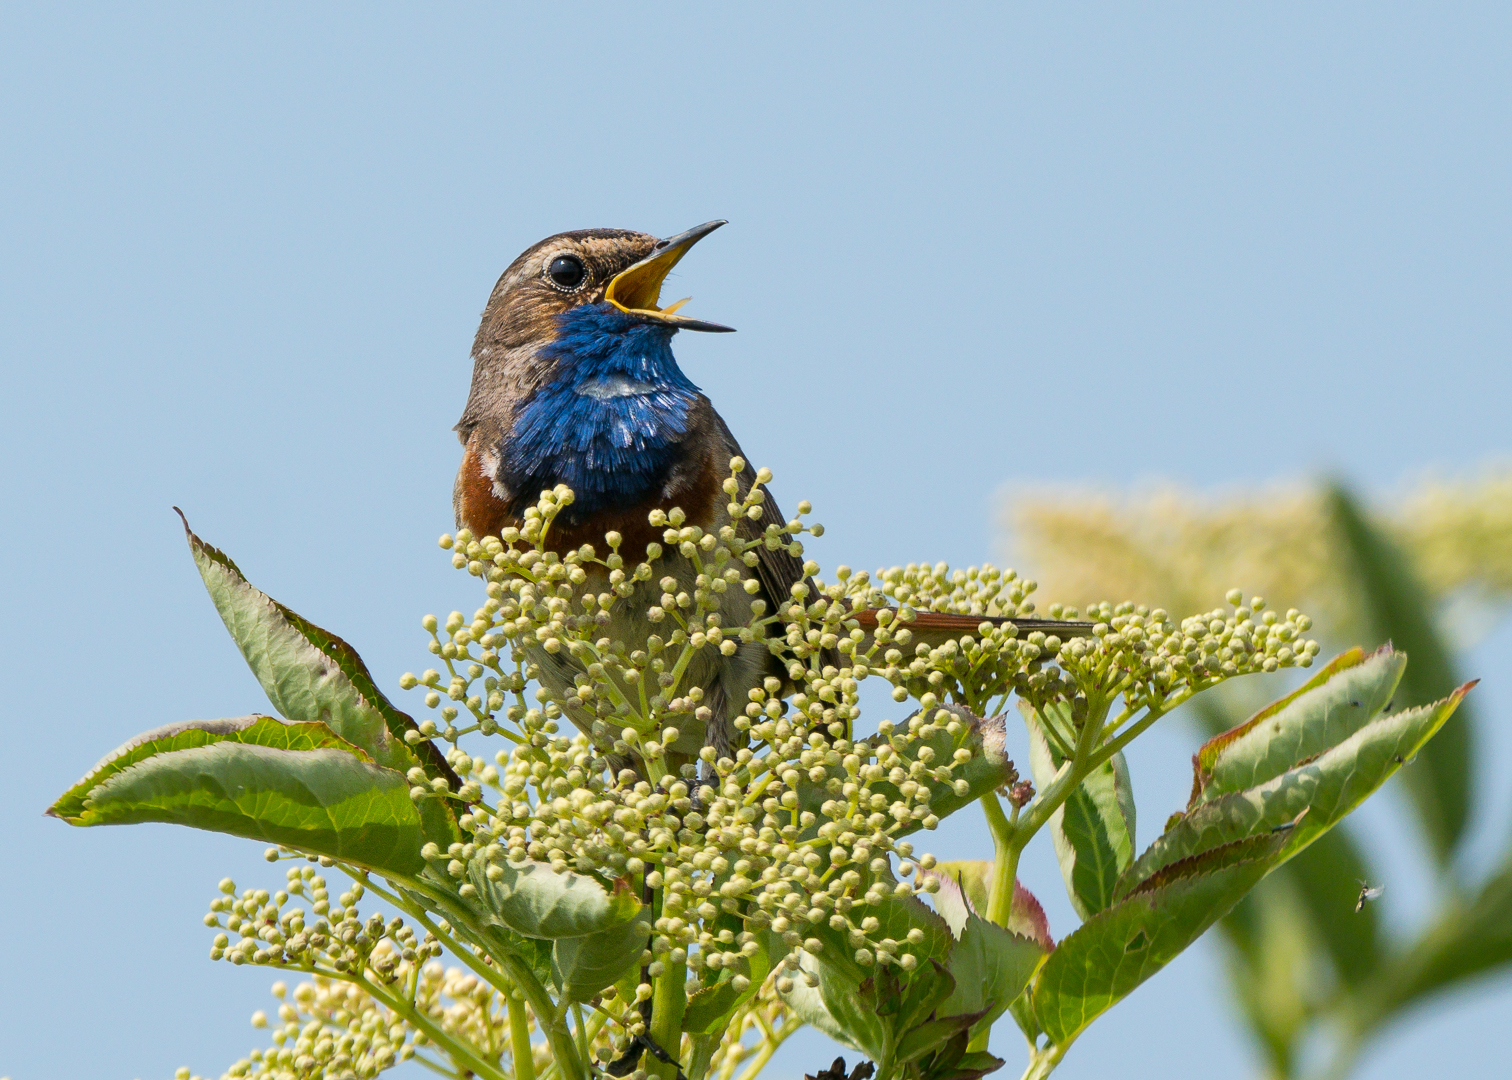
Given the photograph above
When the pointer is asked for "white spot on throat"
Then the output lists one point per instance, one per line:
(613, 386)
(489, 462)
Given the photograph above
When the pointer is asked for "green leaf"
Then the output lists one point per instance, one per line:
(583, 966)
(709, 1006)
(711, 1009)
(931, 1035)
(992, 971)
(991, 966)
(324, 802)
(876, 1010)
(1341, 699)
(1022, 1011)
(538, 902)
(1114, 951)
(1334, 749)
(1307, 907)
(953, 1062)
(311, 675)
(1093, 830)
(1398, 609)
(836, 1007)
(929, 986)
(1325, 789)
(858, 1006)
(960, 1066)
(256, 730)
(927, 1007)
(1209, 710)
(899, 915)
(534, 952)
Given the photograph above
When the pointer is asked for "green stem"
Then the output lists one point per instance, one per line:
(1043, 1062)
(437, 1068)
(514, 969)
(595, 1025)
(457, 949)
(519, 1038)
(1072, 772)
(460, 1052)
(1139, 727)
(656, 767)
(562, 1046)
(1007, 847)
(1049, 800)
(1092, 728)
(615, 691)
(582, 1031)
(703, 1051)
(886, 1070)
(669, 1001)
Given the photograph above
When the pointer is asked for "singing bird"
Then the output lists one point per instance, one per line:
(574, 383)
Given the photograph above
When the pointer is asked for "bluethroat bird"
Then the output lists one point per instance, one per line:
(574, 383)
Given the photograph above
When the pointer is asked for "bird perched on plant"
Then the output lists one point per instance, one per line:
(574, 383)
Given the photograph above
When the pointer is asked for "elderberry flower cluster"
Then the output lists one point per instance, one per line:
(1150, 660)
(376, 996)
(748, 831)
(334, 938)
(794, 829)
(801, 827)
(329, 1027)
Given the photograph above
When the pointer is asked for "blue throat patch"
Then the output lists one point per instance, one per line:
(608, 423)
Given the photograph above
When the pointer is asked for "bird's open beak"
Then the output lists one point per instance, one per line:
(637, 290)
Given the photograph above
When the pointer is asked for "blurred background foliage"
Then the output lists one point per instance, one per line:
(1428, 569)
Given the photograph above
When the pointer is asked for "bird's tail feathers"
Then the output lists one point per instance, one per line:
(934, 623)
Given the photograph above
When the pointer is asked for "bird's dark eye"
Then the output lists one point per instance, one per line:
(566, 271)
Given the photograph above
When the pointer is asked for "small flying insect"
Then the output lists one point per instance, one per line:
(1367, 894)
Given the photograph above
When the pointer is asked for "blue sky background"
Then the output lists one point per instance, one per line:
(245, 247)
